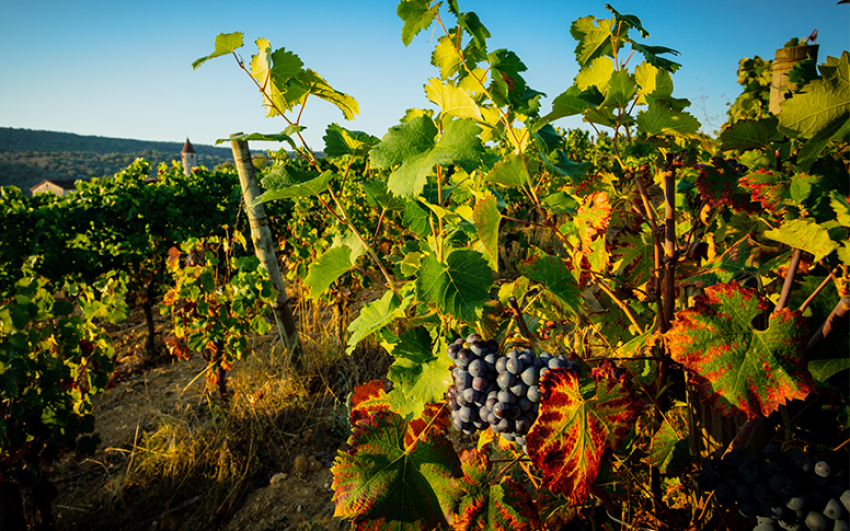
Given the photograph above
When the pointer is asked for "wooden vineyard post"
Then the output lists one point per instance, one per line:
(263, 247)
(784, 60)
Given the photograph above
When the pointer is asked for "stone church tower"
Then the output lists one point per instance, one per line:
(190, 158)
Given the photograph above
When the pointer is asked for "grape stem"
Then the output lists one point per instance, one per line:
(520, 322)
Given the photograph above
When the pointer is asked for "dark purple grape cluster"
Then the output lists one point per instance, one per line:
(497, 392)
(782, 490)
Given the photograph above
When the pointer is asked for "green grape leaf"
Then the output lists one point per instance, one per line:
(504, 506)
(621, 90)
(597, 74)
(397, 470)
(568, 103)
(445, 56)
(668, 448)
(804, 234)
(738, 369)
(629, 21)
(653, 82)
(551, 273)
(419, 375)
(281, 137)
(375, 316)
(487, 220)
(579, 421)
(510, 171)
(328, 267)
(751, 134)
(594, 38)
(650, 53)
(841, 206)
(317, 86)
(505, 68)
(472, 24)
(417, 16)
(225, 43)
(340, 142)
(659, 120)
(823, 370)
(273, 72)
(314, 186)
(412, 144)
(460, 287)
(821, 109)
(452, 100)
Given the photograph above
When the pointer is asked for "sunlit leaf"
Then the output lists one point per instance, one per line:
(460, 287)
(225, 43)
(396, 471)
(375, 316)
(487, 220)
(504, 506)
(579, 421)
(420, 374)
(739, 369)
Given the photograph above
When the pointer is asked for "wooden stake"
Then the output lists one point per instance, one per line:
(263, 247)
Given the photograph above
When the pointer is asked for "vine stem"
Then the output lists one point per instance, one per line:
(650, 213)
(817, 290)
(369, 248)
(789, 280)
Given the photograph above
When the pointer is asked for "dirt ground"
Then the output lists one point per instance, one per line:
(291, 491)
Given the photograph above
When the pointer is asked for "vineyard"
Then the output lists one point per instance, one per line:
(491, 322)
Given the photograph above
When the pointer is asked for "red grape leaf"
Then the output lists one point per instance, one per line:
(505, 506)
(738, 369)
(766, 187)
(578, 422)
(368, 398)
(392, 475)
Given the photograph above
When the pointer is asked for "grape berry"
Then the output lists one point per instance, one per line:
(783, 490)
(497, 392)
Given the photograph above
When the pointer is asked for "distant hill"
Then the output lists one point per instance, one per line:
(28, 156)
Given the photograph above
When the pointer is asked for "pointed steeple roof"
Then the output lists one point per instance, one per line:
(188, 147)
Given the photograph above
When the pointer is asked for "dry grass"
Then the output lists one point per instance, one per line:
(203, 455)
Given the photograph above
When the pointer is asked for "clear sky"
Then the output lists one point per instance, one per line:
(123, 68)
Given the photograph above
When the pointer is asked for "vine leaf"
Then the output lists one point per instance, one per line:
(510, 171)
(317, 86)
(452, 100)
(668, 449)
(593, 40)
(375, 316)
(328, 267)
(314, 186)
(460, 287)
(738, 369)
(399, 471)
(751, 134)
(820, 111)
(413, 145)
(804, 234)
(579, 421)
(555, 277)
(659, 120)
(340, 142)
(368, 399)
(417, 16)
(487, 219)
(419, 375)
(505, 506)
(225, 43)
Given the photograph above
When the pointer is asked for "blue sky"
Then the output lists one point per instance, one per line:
(123, 69)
